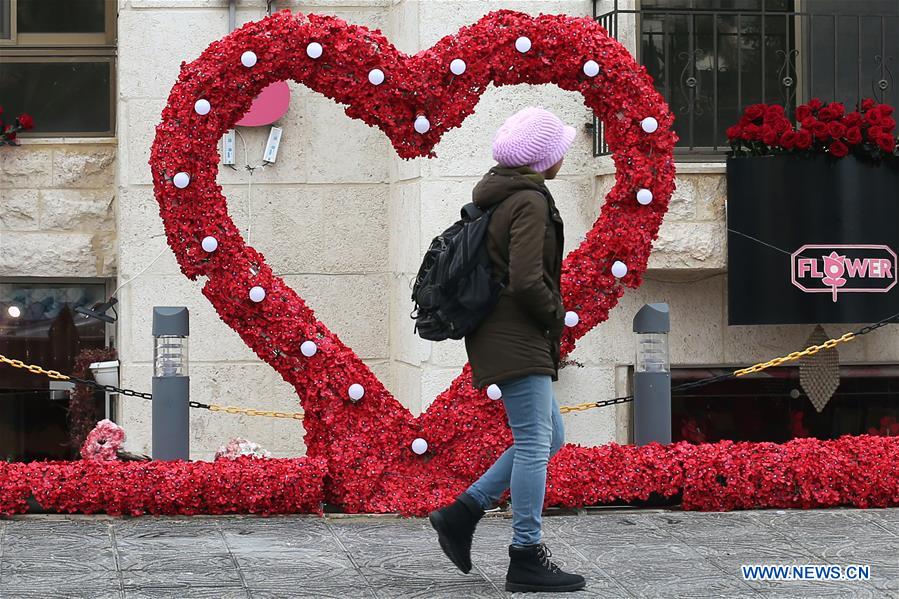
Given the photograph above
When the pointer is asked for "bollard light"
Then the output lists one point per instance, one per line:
(171, 385)
(652, 376)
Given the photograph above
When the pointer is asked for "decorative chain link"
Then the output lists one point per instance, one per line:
(34, 369)
(595, 404)
(808, 351)
(252, 412)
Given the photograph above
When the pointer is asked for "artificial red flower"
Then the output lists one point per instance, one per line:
(774, 112)
(852, 119)
(803, 139)
(26, 121)
(836, 129)
(837, 109)
(788, 139)
(838, 148)
(768, 135)
(808, 122)
(853, 135)
(755, 112)
(734, 131)
(867, 104)
(886, 143)
(821, 131)
(815, 104)
(803, 112)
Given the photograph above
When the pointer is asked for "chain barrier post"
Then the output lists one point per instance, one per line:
(652, 376)
(171, 385)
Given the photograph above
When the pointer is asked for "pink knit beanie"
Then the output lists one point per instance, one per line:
(532, 137)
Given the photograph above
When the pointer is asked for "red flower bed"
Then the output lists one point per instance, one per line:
(243, 485)
(868, 132)
(804, 473)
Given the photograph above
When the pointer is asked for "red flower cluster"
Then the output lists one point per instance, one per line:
(8, 133)
(243, 485)
(371, 466)
(764, 129)
(803, 473)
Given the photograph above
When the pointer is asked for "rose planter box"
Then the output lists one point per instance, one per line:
(811, 239)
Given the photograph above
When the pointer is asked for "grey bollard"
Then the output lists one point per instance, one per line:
(652, 376)
(171, 385)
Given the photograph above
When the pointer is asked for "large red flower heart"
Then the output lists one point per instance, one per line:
(367, 442)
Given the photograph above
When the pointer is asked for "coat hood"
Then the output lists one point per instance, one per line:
(501, 182)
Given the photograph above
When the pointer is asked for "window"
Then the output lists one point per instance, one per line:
(712, 58)
(38, 325)
(57, 63)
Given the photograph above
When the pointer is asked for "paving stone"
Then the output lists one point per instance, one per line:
(194, 592)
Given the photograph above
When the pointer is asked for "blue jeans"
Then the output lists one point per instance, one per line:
(538, 434)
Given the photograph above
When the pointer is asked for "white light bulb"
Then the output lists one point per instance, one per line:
(422, 124)
(181, 180)
(591, 68)
(794, 393)
(376, 76)
(522, 44)
(619, 269)
(14, 311)
(494, 392)
(248, 58)
(571, 319)
(209, 244)
(257, 294)
(419, 446)
(649, 124)
(308, 348)
(202, 106)
(457, 66)
(356, 391)
(644, 197)
(314, 50)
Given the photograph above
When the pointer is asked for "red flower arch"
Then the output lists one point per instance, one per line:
(367, 442)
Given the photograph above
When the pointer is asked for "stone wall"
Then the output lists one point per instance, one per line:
(56, 209)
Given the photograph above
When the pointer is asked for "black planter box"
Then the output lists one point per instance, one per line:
(811, 240)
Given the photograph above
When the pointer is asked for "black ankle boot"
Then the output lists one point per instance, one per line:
(531, 571)
(455, 526)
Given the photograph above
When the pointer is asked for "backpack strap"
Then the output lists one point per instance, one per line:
(470, 212)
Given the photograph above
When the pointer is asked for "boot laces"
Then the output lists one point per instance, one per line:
(544, 554)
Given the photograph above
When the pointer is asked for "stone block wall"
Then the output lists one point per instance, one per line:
(56, 209)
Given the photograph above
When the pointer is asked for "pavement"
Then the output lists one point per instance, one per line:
(623, 553)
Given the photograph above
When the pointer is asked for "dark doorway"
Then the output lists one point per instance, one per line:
(38, 325)
(771, 406)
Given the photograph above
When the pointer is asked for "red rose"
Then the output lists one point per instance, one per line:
(852, 119)
(820, 130)
(826, 114)
(815, 104)
(803, 112)
(788, 140)
(808, 122)
(885, 109)
(873, 116)
(868, 104)
(769, 135)
(838, 149)
(836, 129)
(734, 132)
(888, 123)
(774, 112)
(803, 139)
(853, 135)
(886, 143)
(751, 132)
(26, 121)
(754, 112)
(837, 109)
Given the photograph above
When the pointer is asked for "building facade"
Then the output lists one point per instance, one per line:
(345, 221)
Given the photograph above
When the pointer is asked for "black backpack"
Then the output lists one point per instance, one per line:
(454, 290)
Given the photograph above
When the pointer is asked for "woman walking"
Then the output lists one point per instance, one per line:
(517, 347)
